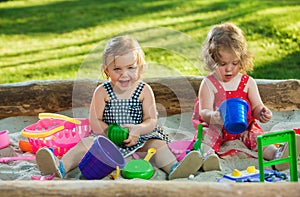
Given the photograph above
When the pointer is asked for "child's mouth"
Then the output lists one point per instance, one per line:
(228, 76)
(124, 83)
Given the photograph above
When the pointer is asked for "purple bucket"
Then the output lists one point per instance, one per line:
(101, 159)
(234, 113)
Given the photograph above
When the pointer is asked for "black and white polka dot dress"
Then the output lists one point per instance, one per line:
(128, 111)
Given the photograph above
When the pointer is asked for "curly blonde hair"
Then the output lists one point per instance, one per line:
(119, 46)
(226, 36)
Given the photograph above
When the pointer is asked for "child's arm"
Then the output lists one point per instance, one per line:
(206, 104)
(96, 111)
(149, 117)
(259, 110)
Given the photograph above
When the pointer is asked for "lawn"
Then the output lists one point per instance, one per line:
(56, 39)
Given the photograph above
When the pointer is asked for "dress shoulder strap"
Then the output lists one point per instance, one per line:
(216, 83)
(243, 82)
(138, 90)
(109, 90)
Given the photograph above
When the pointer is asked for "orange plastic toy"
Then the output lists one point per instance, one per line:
(25, 146)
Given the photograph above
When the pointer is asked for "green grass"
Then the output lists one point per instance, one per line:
(56, 39)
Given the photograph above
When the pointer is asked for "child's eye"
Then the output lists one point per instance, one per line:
(235, 63)
(117, 69)
(132, 67)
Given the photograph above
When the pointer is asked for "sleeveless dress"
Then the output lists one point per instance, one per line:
(128, 111)
(216, 135)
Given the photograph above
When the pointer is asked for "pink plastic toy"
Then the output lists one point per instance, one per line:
(179, 148)
(4, 139)
(43, 178)
(22, 158)
(56, 131)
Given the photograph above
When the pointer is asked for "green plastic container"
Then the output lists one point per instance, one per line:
(117, 134)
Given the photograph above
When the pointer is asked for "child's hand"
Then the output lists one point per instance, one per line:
(216, 118)
(133, 136)
(265, 115)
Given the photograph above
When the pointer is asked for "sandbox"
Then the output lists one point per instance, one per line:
(20, 104)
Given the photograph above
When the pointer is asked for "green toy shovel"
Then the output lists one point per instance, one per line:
(197, 144)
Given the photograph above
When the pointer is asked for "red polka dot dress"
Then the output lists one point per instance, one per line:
(216, 135)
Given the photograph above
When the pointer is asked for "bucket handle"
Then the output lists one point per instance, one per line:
(27, 133)
(59, 116)
(115, 176)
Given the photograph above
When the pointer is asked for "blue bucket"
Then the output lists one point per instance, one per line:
(101, 159)
(234, 114)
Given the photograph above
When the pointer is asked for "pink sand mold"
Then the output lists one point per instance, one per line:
(4, 139)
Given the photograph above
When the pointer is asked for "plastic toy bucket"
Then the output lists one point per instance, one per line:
(234, 113)
(102, 159)
(180, 147)
(4, 139)
(117, 134)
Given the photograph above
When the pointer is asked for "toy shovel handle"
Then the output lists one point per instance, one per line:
(151, 152)
(58, 116)
(197, 144)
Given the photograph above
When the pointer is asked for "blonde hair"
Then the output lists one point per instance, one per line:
(226, 36)
(119, 46)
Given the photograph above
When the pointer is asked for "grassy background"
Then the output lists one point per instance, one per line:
(56, 39)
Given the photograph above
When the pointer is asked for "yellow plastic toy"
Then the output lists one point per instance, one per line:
(236, 173)
(251, 169)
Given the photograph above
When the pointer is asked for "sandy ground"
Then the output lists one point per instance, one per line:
(177, 126)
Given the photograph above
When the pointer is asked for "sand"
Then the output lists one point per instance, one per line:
(177, 126)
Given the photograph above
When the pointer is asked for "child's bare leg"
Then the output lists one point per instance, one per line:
(49, 164)
(269, 152)
(71, 159)
(164, 158)
(283, 152)
(211, 137)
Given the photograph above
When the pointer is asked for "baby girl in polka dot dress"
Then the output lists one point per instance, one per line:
(225, 54)
(128, 101)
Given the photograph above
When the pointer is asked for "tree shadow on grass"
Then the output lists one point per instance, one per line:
(67, 16)
(289, 66)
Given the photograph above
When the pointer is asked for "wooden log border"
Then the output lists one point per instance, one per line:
(82, 188)
(174, 95)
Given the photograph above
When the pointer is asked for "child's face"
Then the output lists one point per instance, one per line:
(229, 65)
(124, 72)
